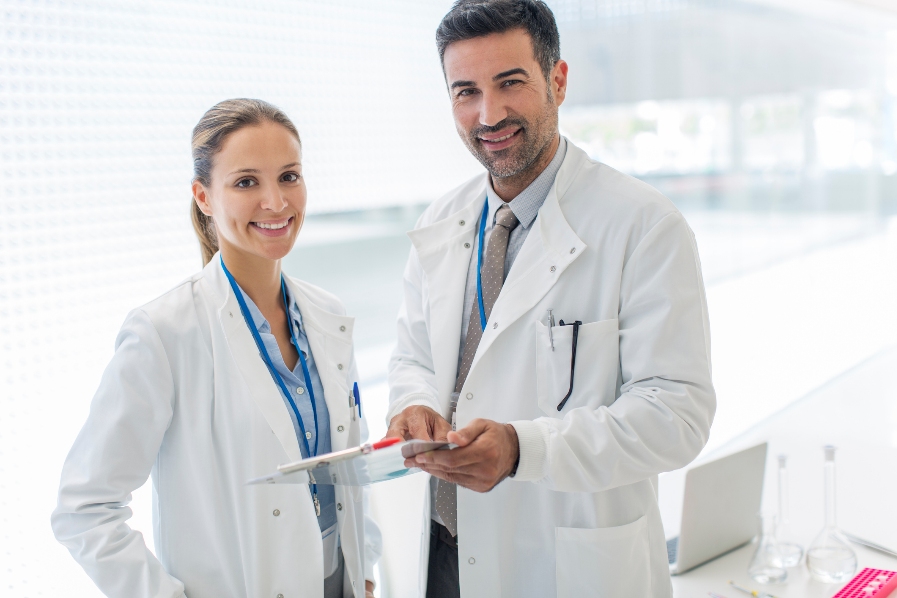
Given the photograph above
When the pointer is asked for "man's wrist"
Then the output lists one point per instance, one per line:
(516, 449)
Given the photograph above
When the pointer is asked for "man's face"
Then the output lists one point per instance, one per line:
(504, 109)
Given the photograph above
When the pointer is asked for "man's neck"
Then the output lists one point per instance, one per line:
(510, 187)
(258, 277)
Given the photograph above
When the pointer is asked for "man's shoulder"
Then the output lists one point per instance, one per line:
(614, 193)
(454, 200)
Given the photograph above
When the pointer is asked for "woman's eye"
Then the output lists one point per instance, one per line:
(245, 183)
(290, 177)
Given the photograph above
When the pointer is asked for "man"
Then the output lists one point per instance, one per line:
(554, 310)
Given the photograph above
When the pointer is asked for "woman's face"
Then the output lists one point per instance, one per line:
(257, 194)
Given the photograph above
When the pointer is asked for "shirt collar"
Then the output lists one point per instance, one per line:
(261, 324)
(526, 205)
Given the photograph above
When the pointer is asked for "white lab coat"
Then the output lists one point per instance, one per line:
(187, 399)
(581, 516)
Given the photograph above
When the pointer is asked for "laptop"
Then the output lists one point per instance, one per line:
(720, 508)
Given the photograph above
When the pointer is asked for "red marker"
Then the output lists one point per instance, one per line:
(349, 453)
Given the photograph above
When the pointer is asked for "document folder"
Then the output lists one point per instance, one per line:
(353, 467)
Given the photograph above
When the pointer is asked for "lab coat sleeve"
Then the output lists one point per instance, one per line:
(412, 376)
(111, 457)
(661, 420)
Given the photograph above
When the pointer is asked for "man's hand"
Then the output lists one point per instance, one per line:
(486, 454)
(368, 589)
(420, 423)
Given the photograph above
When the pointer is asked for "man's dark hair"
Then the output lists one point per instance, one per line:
(469, 19)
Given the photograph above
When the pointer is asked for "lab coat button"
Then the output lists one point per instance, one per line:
(553, 268)
(339, 428)
(467, 246)
(308, 435)
(339, 506)
(280, 596)
(300, 390)
(494, 326)
(339, 366)
(277, 512)
(342, 328)
(573, 250)
(471, 560)
(461, 223)
(469, 396)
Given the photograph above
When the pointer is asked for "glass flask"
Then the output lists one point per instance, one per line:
(766, 565)
(789, 552)
(830, 558)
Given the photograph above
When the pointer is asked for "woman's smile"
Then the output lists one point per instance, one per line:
(273, 228)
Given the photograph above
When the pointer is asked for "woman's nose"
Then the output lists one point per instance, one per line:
(274, 200)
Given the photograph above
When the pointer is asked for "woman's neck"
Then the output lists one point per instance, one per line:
(258, 277)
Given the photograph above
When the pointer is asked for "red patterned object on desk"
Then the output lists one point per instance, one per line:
(869, 583)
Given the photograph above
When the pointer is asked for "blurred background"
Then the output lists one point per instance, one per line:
(770, 123)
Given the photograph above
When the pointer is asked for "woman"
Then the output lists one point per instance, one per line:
(232, 372)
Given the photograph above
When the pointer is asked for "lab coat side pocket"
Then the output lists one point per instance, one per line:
(553, 366)
(607, 562)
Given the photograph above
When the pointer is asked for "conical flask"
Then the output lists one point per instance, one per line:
(830, 558)
(766, 567)
(789, 553)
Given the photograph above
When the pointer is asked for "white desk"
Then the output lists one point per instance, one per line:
(857, 412)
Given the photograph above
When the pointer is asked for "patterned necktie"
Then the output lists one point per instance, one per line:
(493, 277)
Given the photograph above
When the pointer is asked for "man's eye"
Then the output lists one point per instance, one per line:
(290, 177)
(510, 82)
(245, 183)
(466, 92)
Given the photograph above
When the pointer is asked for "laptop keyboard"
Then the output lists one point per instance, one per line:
(673, 549)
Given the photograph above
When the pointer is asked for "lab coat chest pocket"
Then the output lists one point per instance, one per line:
(597, 364)
(605, 562)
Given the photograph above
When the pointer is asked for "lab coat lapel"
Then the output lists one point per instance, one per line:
(261, 385)
(330, 340)
(549, 249)
(445, 260)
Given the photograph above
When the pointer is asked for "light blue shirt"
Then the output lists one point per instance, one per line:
(295, 382)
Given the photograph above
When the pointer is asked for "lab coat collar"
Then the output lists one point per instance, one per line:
(322, 329)
(549, 249)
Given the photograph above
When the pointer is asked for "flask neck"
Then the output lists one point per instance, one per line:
(830, 512)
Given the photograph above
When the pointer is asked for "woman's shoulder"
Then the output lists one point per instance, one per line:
(319, 297)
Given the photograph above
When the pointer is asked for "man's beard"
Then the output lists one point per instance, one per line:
(514, 160)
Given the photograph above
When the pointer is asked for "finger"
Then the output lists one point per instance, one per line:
(453, 459)
(441, 428)
(469, 433)
(397, 427)
(419, 429)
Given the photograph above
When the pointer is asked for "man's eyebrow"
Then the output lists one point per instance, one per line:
(517, 71)
(463, 84)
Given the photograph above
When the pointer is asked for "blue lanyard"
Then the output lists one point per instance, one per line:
(263, 352)
(480, 264)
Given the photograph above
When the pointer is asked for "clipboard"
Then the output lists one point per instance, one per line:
(354, 466)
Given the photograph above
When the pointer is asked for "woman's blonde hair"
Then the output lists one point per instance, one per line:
(209, 135)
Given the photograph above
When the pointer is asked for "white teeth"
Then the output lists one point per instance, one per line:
(272, 226)
(500, 138)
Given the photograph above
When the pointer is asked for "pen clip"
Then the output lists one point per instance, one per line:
(550, 326)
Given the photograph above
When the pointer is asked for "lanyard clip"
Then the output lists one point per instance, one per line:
(317, 504)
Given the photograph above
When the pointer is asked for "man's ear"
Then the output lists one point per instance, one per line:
(201, 197)
(558, 82)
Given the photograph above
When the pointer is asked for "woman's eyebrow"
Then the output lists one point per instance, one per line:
(257, 171)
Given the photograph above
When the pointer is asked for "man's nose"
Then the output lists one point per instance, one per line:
(492, 110)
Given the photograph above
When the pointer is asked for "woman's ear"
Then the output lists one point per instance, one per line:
(201, 197)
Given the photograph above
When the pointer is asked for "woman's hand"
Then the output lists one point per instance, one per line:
(368, 589)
